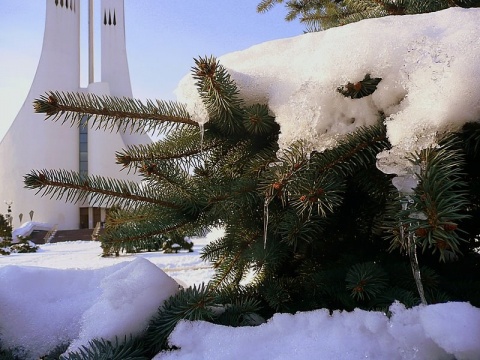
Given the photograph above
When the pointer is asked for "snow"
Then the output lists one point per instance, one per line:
(26, 229)
(130, 295)
(429, 65)
(417, 333)
(429, 69)
(66, 292)
(44, 307)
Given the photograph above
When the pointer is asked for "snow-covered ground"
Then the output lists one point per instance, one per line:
(66, 292)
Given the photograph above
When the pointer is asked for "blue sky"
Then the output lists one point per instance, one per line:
(163, 37)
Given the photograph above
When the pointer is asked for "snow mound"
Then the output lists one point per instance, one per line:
(440, 332)
(27, 228)
(41, 308)
(428, 64)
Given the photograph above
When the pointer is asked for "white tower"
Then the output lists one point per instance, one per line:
(33, 143)
(114, 56)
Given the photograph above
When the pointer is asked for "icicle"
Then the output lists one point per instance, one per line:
(412, 254)
(197, 110)
(201, 126)
(406, 181)
(265, 220)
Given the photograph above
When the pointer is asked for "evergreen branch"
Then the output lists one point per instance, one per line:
(75, 188)
(276, 291)
(113, 113)
(366, 280)
(257, 120)
(392, 294)
(167, 178)
(219, 94)
(229, 271)
(103, 349)
(235, 158)
(357, 148)
(279, 173)
(319, 195)
(193, 304)
(212, 252)
(439, 202)
(140, 236)
(295, 229)
(229, 267)
(240, 311)
(322, 213)
(233, 193)
(134, 235)
(471, 137)
(156, 152)
(117, 216)
(138, 154)
(146, 228)
(323, 14)
(261, 162)
(266, 5)
(360, 89)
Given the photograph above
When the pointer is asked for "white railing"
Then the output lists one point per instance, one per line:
(96, 231)
(50, 234)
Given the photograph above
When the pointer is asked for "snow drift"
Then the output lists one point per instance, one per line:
(27, 228)
(41, 308)
(441, 332)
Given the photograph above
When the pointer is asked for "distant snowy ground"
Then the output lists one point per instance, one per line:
(66, 292)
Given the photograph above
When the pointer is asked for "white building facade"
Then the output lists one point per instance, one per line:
(33, 143)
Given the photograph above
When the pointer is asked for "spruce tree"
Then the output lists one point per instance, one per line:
(5, 228)
(304, 230)
(5, 236)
